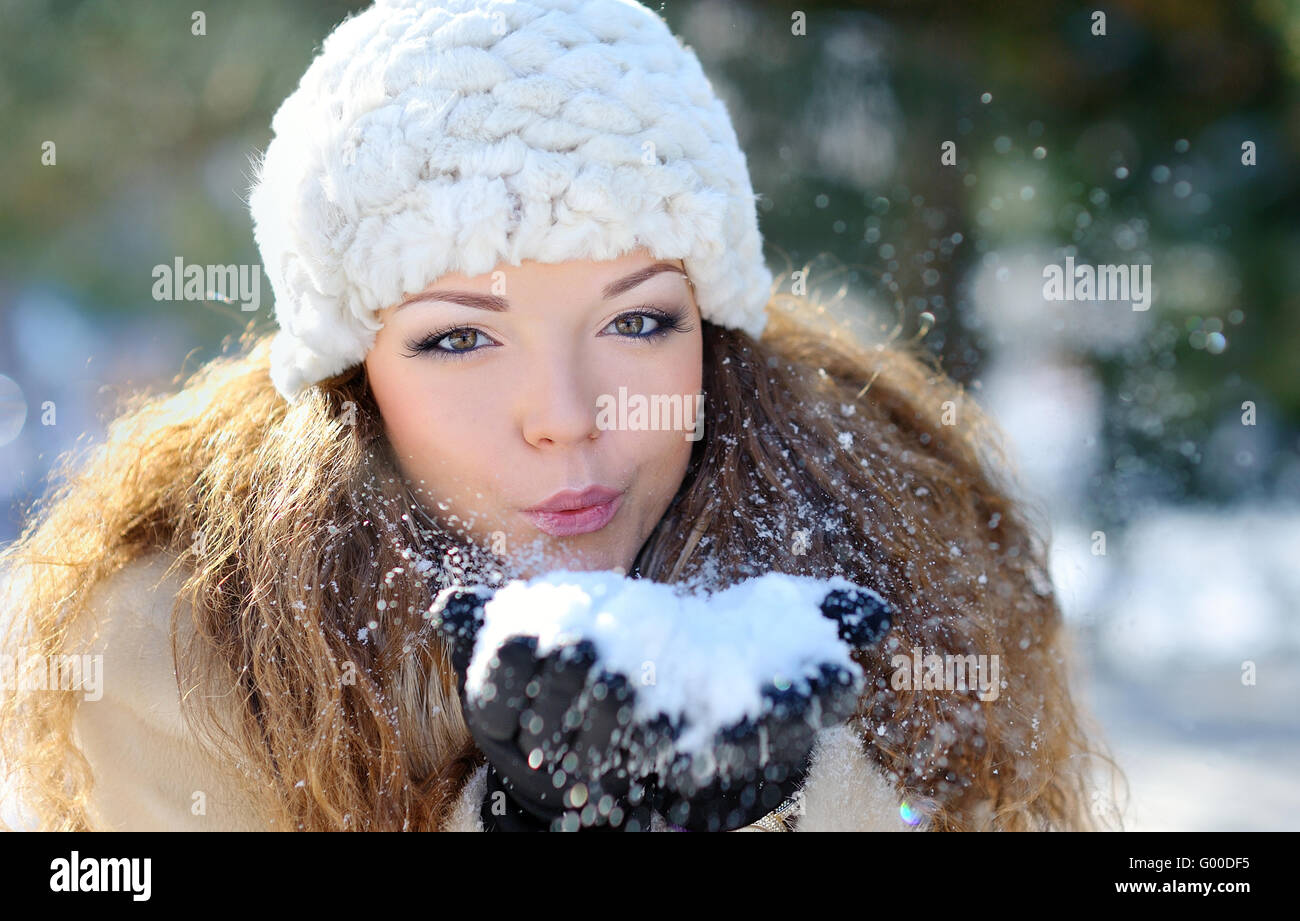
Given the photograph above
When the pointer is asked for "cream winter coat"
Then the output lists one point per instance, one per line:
(150, 773)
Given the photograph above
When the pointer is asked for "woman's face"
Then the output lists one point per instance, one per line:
(502, 390)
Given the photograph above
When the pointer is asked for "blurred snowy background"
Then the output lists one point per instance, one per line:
(1122, 148)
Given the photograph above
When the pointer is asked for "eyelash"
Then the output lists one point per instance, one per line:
(669, 322)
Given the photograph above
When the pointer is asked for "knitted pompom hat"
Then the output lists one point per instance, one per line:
(438, 136)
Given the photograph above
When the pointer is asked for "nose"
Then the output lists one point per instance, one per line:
(557, 401)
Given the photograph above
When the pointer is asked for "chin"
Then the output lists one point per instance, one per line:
(584, 561)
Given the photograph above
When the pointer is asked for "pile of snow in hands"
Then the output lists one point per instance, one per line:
(700, 659)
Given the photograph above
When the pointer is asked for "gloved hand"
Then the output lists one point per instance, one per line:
(756, 764)
(551, 727)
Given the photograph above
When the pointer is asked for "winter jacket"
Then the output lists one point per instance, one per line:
(150, 773)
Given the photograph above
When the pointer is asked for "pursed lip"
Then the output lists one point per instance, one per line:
(567, 500)
(572, 512)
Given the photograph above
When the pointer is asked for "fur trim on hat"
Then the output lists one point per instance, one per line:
(450, 136)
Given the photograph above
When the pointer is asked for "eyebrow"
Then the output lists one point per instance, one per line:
(500, 304)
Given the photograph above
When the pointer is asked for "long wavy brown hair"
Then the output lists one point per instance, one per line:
(822, 455)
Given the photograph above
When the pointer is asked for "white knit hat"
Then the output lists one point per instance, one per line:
(438, 136)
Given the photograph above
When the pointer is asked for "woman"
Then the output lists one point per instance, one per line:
(480, 225)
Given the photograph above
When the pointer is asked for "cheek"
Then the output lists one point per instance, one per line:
(439, 429)
(409, 428)
(398, 397)
(659, 372)
(411, 416)
(663, 451)
(660, 459)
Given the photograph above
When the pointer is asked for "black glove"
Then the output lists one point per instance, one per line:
(758, 764)
(552, 728)
(725, 802)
